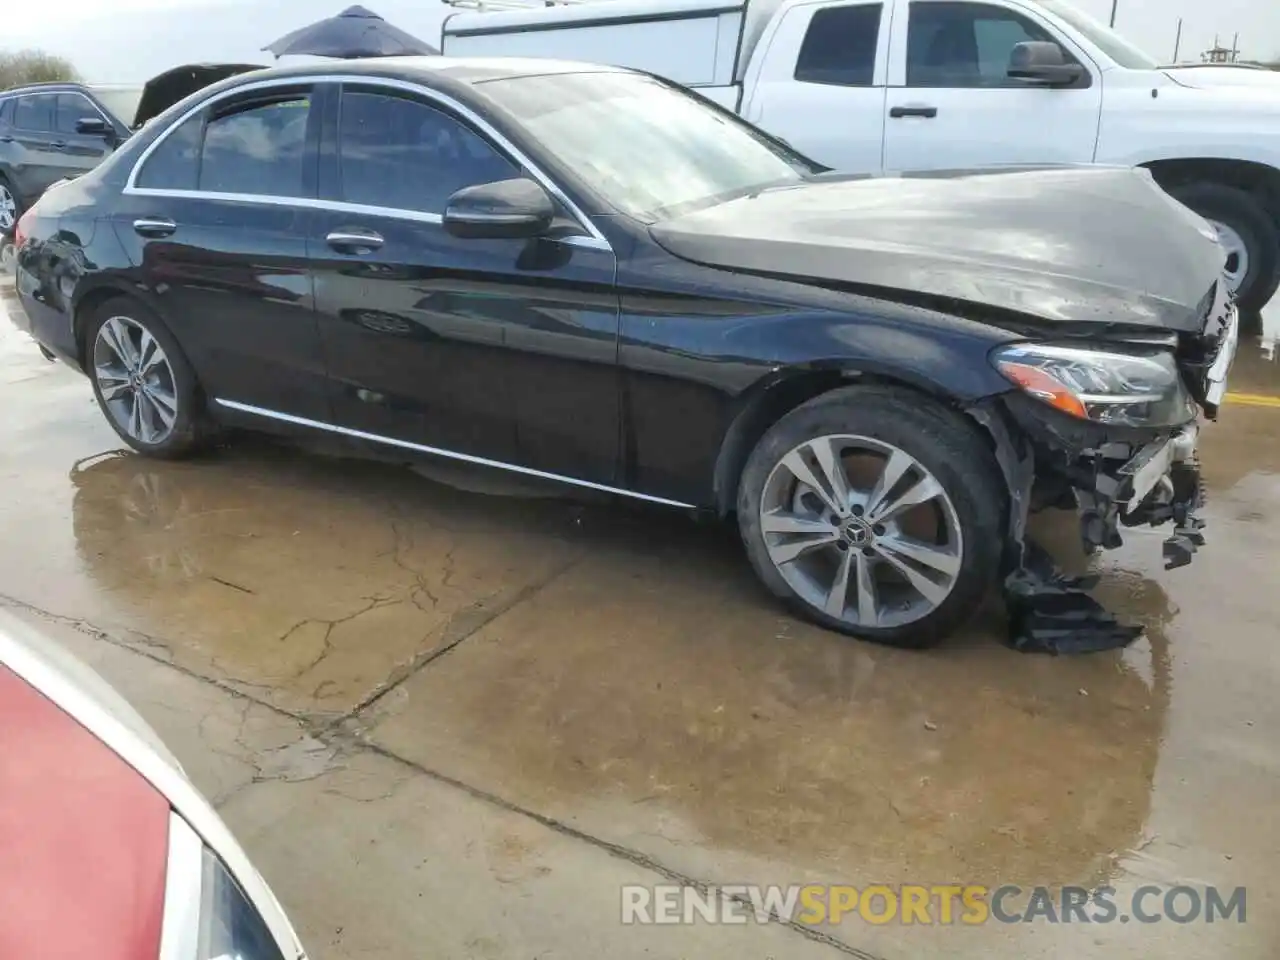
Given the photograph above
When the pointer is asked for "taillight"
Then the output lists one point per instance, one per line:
(22, 230)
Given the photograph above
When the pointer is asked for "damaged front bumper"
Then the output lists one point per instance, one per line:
(1115, 477)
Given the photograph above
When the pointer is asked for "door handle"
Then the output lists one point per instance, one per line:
(927, 112)
(59, 144)
(354, 241)
(6, 139)
(154, 227)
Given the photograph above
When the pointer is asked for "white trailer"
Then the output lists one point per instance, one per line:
(705, 44)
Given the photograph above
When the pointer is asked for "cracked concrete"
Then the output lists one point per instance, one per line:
(450, 722)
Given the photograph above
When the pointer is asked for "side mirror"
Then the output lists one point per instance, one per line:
(1043, 62)
(93, 125)
(503, 210)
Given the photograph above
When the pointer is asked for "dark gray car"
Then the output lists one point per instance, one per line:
(49, 132)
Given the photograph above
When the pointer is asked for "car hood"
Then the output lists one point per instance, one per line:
(1210, 76)
(20, 640)
(1062, 246)
(164, 90)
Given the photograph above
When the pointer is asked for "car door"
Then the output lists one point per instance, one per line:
(953, 105)
(215, 217)
(821, 85)
(80, 152)
(498, 349)
(36, 162)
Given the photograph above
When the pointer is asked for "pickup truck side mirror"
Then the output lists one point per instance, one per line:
(1043, 62)
(503, 210)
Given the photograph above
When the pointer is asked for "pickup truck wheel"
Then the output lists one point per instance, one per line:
(1248, 235)
(876, 513)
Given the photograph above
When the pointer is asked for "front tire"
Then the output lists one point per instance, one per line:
(143, 382)
(875, 512)
(1248, 235)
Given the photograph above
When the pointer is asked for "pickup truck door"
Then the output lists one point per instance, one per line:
(817, 80)
(951, 103)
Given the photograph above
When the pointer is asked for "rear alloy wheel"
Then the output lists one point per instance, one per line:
(9, 211)
(875, 514)
(143, 382)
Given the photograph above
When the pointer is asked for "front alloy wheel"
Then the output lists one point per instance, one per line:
(876, 512)
(879, 549)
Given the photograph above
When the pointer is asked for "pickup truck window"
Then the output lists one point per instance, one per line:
(965, 44)
(1103, 37)
(650, 148)
(839, 47)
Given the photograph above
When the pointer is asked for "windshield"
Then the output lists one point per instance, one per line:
(1124, 53)
(121, 101)
(650, 149)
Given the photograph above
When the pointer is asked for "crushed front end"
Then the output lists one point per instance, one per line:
(1109, 428)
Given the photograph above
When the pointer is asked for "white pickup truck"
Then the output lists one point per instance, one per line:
(882, 86)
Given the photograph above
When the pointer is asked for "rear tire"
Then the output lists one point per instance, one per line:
(10, 209)
(911, 576)
(1247, 224)
(143, 382)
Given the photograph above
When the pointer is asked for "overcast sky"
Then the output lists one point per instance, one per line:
(127, 41)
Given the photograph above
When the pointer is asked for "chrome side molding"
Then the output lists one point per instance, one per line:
(439, 452)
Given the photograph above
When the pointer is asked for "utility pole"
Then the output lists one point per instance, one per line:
(1177, 42)
(1235, 48)
(1114, 4)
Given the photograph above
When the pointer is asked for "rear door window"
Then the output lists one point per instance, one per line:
(175, 163)
(35, 113)
(257, 148)
(401, 154)
(839, 47)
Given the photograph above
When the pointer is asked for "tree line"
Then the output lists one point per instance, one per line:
(33, 66)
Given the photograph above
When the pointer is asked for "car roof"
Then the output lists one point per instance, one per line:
(466, 70)
(49, 86)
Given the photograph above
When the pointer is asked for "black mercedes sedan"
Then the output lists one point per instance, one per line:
(591, 275)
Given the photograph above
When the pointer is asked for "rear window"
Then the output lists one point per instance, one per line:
(6, 111)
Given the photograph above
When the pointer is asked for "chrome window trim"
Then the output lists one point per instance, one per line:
(184, 877)
(598, 239)
(449, 454)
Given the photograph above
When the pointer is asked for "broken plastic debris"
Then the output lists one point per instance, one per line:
(1050, 612)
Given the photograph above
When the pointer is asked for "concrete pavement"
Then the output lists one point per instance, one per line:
(452, 719)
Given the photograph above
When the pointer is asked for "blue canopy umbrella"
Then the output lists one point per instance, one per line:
(355, 32)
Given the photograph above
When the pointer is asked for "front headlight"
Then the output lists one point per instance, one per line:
(1141, 389)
